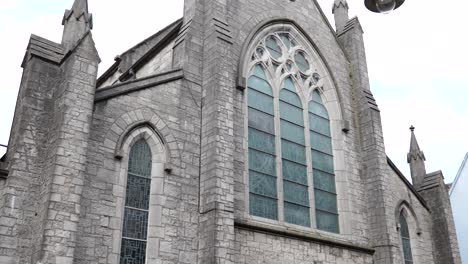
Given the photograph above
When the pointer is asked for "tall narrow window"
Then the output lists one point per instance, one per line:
(135, 222)
(293, 155)
(322, 165)
(261, 129)
(405, 240)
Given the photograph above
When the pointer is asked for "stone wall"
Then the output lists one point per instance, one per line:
(418, 218)
(255, 247)
(174, 111)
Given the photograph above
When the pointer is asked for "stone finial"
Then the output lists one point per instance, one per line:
(340, 11)
(416, 160)
(414, 151)
(77, 22)
(340, 4)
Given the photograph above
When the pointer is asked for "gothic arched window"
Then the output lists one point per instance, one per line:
(405, 240)
(289, 138)
(135, 221)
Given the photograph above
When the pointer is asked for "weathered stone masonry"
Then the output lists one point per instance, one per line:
(183, 90)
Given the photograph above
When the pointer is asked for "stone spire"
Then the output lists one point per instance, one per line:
(340, 10)
(77, 22)
(416, 161)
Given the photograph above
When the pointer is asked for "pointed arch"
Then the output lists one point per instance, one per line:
(141, 176)
(292, 77)
(403, 207)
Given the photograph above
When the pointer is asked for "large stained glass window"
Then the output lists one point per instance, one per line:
(405, 240)
(135, 222)
(326, 211)
(282, 97)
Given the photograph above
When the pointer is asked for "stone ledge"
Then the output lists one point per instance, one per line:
(138, 84)
(300, 235)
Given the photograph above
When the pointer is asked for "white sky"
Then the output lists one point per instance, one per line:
(417, 59)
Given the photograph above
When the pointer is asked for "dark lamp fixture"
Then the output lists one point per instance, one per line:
(383, 6)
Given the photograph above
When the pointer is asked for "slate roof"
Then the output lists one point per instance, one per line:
(406, 182)
(462, 167)
(137, 56)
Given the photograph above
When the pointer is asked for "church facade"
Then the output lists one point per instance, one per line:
(245, 132)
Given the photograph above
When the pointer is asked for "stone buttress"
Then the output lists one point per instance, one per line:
(48, 145)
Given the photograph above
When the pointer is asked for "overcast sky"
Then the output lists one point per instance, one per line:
(417, 58)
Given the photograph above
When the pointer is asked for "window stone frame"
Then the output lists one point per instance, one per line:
(158, 159)
(327, 90)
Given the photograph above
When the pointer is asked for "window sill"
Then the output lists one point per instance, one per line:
(297, 233)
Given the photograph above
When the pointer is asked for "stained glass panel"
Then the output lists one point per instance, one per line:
(260, 101)
(292, 132)
(273, 47)
(262, 184)
(318, 109)
(138, 192)
(293, 152)
(322, 161)
(259, 84)
(135, 224)
(321, 143)
(132, 252)
(263, 206)
(316, 97)
(296, 193)
(294, 172)
(261, 121)
(319, 125)
(291, 98)
(287, 40)
(139, 161)
(296, 214)
(262, 162)
(324, 181)
(325, 201)
(289, 85)
(291, 113)
(301, 61)
(327, 221)
(259, 72)
(261, 141)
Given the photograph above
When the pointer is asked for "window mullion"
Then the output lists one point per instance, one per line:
(313, 221)
(279, 156)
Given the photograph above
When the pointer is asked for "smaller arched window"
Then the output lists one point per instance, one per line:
(135, 221)
(405, 240)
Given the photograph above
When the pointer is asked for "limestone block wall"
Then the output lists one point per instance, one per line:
(160, 63)
(418, 218)
(255, 247)
(174, 112)
(244, 20)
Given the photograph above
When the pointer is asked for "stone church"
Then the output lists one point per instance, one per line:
(244, 132)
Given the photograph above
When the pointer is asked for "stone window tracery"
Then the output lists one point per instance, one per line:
(290, 168)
